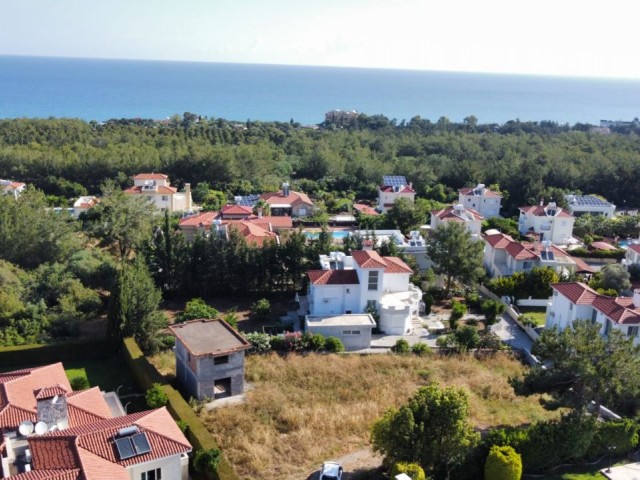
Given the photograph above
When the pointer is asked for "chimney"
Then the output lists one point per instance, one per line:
(52, 406)
(259, 210)
(636, 298)
(187, 194)
(285, 189)
(542, 202)
(367, 245)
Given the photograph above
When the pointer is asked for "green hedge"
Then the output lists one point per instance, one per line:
(145, 376)
(40, 354)
(584, 253)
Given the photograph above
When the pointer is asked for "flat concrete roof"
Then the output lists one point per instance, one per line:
(346, 320)
(209, 337)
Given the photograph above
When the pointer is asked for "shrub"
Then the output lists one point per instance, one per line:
(413, 470)
(260, 342)
(277, 343)
(207, 461)
(620, 436)
(491, 309)
(166, 342)
(79, 383)
(231, 317)
(333, 345)
(197, 308)
(313, 341)
(467, 338)
(421, 349)
(447, 342)
(472, 299)
(458, 310)
(527, 321)
(293, 341)
(583, 252)
(428, 300)
(261, 308)
(503, 463)
(155, 396)
(401, 346)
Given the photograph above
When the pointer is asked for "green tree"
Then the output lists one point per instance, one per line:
(120, 220)
(432, 429)
(491, 309)
(261, 308)
(133, 306)
(458, 310)
(612, 277)
(455, 254)
(404, 216)
(156, 397)
(413, 470)
(503, 463)
(207, 461)
(583, 367)
(197, 308)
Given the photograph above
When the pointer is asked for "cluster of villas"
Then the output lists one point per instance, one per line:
(50, 432)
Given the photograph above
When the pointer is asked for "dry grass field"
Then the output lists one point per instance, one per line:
(304, 409)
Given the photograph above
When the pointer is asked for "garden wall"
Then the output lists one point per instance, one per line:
(40, 354)
(532, 302)
(145, 376)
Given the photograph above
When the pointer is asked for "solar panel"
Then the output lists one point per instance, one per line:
(140, 443)
(547, 256)
(394, 181)
(125, 448)
(247, 200)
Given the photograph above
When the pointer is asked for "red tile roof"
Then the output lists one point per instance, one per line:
(635, 247)
(396, 265)
(603, 246)
(582, 266)
(333, 277)
(12, 416)
(368, 259)
(90, 400)
(277, 223)
(405, 189)
(204, 219)
(20, 390)
(365, 209)
(498, 240)
(150, 176)
(519, 252)
(292, 199)
(235, 210)
(540, 211)
(621, 310)
(67, 474)
(50, 392)
(54, 453)
(576, 292)
(450, 214)
(252, 233)
(160, 190)
(487, 192)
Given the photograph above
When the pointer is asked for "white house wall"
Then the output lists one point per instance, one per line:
(488, 207)
(171, 468)
(335, 299)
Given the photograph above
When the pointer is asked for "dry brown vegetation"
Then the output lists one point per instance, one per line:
(306, 409)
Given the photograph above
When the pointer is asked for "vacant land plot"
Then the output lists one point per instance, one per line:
(306, 409)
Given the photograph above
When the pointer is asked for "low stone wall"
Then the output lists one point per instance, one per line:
(532, 302)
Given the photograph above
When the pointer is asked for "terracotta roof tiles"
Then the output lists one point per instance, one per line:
(333, 277)
(368, 259)
(396, 265)
(486, 193)
(150, 176)
(576, 292)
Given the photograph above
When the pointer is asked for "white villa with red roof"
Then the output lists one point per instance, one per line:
(503, 256)
(394, 187)
(577, 301)
(256, 229)
(632, 256)
(9, 187)
(286, 202)
(351, 284)
(156, 188)
(550, 222)
(486, 202)
(84, 204)
(50, 432)
(459, 213)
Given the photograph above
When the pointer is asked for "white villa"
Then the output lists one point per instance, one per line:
(9, 187)
(84, 204)
(415, 245)
(550, 222)
(392, 188)
(157, 189)
(486, 202)
(583, 204)
(632, 256)
(459, 213)
(349, 285)
(573, 301)
(503, 256)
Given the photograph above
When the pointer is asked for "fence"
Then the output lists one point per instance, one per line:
(512, 312)
(532, 302)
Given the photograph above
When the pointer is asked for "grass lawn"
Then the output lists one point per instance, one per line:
(304, 409)
(107, 373)
(591, 472)
(539, 314)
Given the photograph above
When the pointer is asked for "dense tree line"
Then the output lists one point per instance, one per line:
(529, 160)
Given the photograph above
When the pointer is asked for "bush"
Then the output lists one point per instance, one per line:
(421, 349)
(197, 308)
(333, 345)
(467, 338)
(260, 342)
(79, 383)
(401, 346)
(472, 299)
(166, 341)
(261, 308)
(527, 321)
(583, 252)
(428, 300)
(155, 396)
(313, 341)
(413, 470)
(503, 463)
(207, 461)
(621, 436)
(458, 310)
(491, 309)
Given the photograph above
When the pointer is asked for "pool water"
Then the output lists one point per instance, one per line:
(337, 235)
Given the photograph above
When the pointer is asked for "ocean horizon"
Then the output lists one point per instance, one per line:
(102, 89)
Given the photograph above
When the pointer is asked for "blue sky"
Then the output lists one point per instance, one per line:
(557, 37)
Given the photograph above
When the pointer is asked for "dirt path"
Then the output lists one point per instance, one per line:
(356, 465)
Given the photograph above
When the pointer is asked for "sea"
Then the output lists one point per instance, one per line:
(98, 89)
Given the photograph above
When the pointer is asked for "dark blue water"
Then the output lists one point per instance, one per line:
(103, 89)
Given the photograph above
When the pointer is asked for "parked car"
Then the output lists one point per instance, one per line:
(330, 471)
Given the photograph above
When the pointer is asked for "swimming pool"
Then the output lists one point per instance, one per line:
(336, 234)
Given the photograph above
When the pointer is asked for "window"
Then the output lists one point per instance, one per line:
(221, 360)
(165, 198)
(373, 280)
(607, 326)
(371, 305)
(351, 332)
(633, 331)
(150, 198)
(526, 265)
(570, 306)
(155, 474)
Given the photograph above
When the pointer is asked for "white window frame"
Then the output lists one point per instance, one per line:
(157, 472)
(370, 284)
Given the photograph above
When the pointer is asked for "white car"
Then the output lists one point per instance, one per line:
(330, 471)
